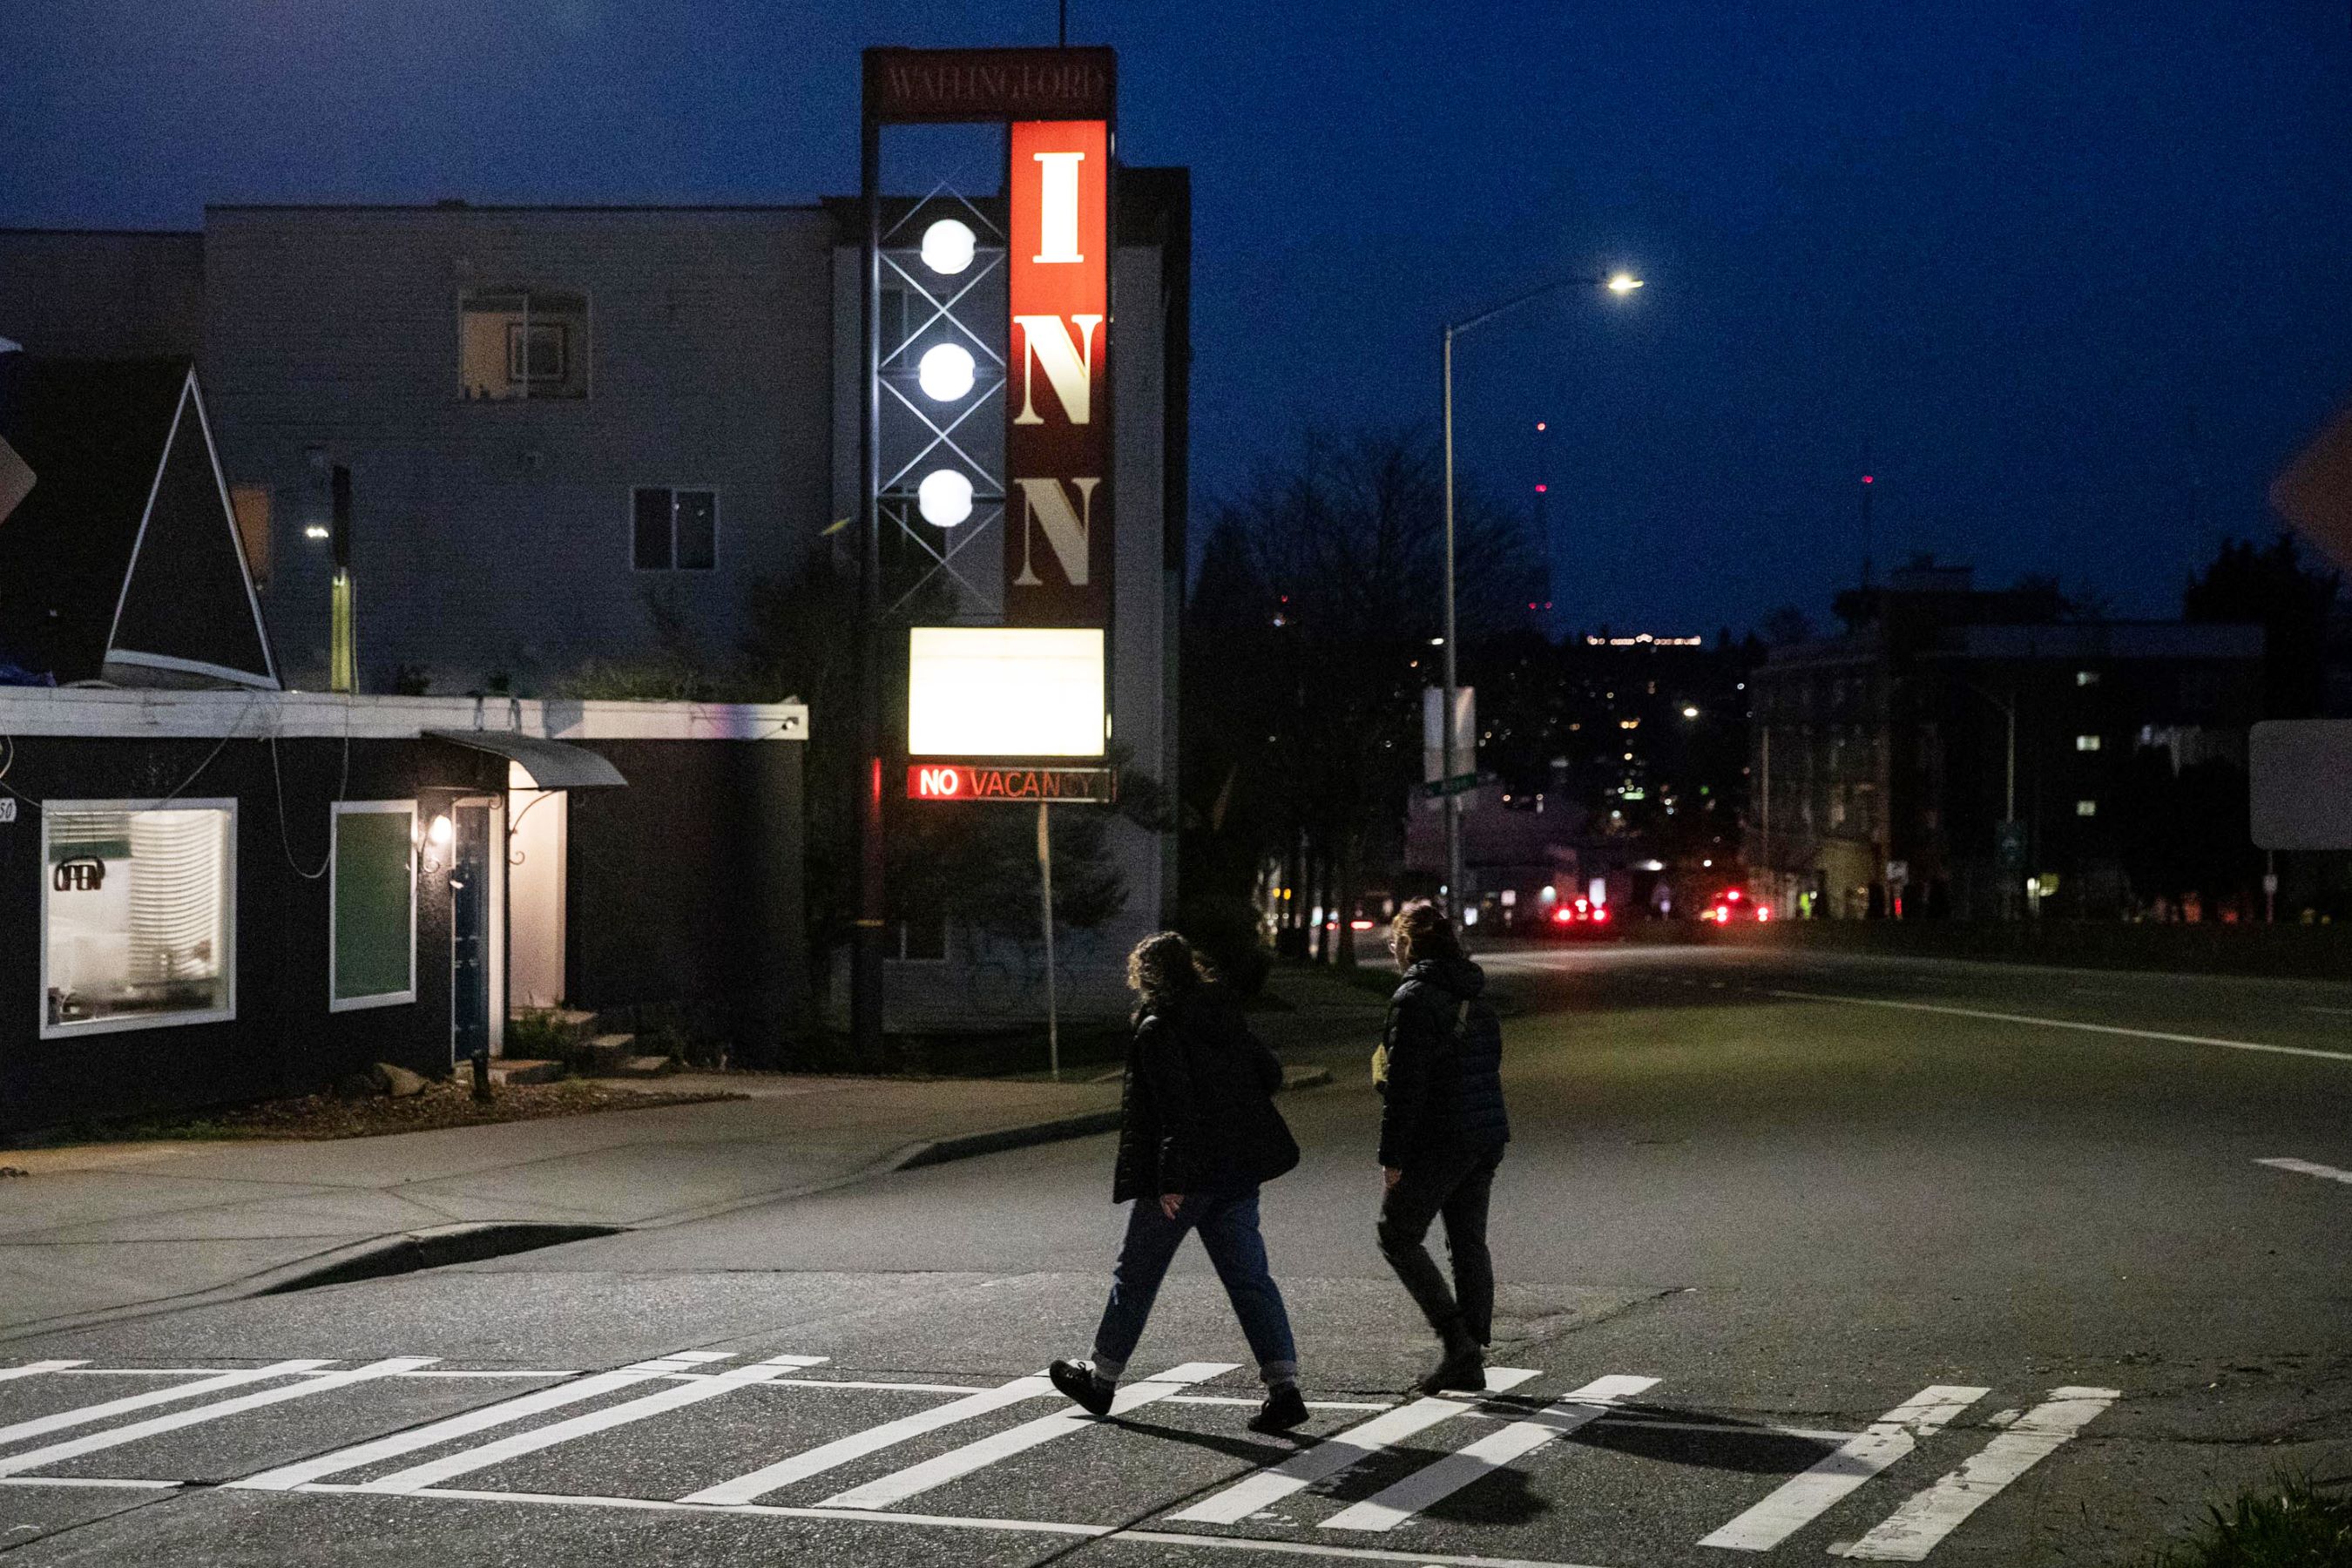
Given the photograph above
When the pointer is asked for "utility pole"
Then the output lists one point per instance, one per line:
(342, 646)
(1453, 899)
(1046, 881)
(865, 939)
(1869, 481)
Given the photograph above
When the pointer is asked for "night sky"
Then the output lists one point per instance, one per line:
(2078, 275)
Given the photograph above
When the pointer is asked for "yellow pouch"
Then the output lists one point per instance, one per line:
(1380, 1065)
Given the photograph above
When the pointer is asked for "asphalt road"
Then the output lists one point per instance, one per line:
(1975, 1264)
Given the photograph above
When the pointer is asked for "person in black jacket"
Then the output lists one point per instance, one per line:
(1443, 1129)
(1198, 1134)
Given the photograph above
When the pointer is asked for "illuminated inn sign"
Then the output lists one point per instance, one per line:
(1032, 687)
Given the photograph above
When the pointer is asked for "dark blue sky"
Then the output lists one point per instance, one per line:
(2078, 274)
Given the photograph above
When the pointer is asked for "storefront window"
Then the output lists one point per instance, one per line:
(139, 911)
(374, 942)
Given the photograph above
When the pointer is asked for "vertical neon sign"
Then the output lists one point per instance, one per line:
(1057, 445)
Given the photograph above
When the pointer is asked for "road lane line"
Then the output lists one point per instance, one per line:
(35, 1369)
(2308, 1168)
(678, 1396)
(857, 1445)
(155, 1425)
(1804, 1499)
(1435, 1482)
(958, 1462)
(288, 1477)
(1109, 1534)
(2331, 1012)
(2062, 1024)
(1913, 1531)
(1340, 1451)
(42, 1426)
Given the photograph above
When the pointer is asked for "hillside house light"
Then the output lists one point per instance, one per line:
(1622, 283)
(945, 372)
(947, 246)
(944, 497)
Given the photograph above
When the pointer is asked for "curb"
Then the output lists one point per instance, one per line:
(417, 1249)
(940, 1152)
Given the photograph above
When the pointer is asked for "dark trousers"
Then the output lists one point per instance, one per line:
(1454, 1183)
(1229, 1233)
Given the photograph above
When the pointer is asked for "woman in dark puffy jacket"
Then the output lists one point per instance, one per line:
(1198, 1134)
(1443, 1128)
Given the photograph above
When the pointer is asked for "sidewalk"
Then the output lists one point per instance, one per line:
(98, 1231)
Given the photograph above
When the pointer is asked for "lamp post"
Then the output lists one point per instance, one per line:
(1618, 283)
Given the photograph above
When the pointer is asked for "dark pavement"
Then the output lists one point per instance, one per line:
(1964, 1262)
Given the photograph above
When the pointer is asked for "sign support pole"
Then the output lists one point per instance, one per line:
(865, 940)
(1045, 880)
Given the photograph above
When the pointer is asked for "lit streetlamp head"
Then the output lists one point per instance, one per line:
(1622, 283)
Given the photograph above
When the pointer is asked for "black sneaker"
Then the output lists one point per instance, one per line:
(1463, 1370)
(1077, 1380)
(1283, 1409)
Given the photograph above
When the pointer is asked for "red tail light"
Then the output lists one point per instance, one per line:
(1600, 914)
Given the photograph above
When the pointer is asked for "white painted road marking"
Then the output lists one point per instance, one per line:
(1341, 1451)
(40, 1426)
(2062, 1024)
(960, 1462)
(857, 1445)
(988, 1526)
(678, 1396)
(35, 1368)
(288, 1477)
(1435, 1482)
(2306, 1168)
(1803, 1499)
(1913, 1531)
(155, 1425)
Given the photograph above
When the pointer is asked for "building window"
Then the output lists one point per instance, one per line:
(2087, 742)
(371, 899)
(138, 915)
(522, 343)
(2086, 808)
(674, 530)
(2087, 677)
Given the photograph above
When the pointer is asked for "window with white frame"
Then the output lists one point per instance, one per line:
(137, 914)
(2086, 808)
(522, 343)
(2087, 742)
(371, 903)
(674, 529)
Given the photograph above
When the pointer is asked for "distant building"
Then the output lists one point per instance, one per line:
(1612, 758)
(1882, 766)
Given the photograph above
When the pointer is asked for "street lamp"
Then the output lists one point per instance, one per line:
(1620, 284)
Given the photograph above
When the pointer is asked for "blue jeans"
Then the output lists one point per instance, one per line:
(1228, 1228)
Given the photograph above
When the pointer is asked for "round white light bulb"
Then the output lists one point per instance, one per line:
(947, 246)
(944, 497)
(945, 372)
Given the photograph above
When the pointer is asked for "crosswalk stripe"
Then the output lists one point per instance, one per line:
(857, 1445)
(1804, 1499)
(1343, 1451)
(676, 1397)
(1440, 1480)
(84, 1415)
(288, 1477)
(957, 1462)
(1913, 1531)
(155, 1425)
(35, 1368)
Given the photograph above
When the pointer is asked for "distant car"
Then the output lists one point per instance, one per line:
(1734, 907)
(1580, 920)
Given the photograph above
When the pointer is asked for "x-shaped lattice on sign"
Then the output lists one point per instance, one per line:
(939, 432)
(982, 521)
